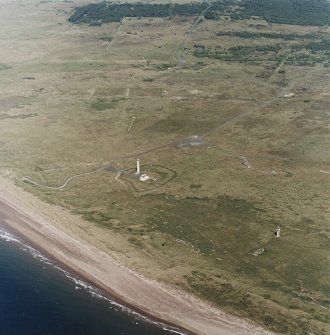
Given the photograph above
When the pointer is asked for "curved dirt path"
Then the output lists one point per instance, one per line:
(26, 179)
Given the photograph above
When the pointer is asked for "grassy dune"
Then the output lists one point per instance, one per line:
(68, 97)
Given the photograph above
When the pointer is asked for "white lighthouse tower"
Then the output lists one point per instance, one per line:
(138, 171)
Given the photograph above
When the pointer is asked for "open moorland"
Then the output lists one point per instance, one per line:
(229, 115)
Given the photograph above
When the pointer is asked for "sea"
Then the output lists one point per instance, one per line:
(38, 297)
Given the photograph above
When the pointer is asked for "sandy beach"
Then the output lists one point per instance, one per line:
(18, 211)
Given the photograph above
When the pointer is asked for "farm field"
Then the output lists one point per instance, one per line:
(230, 120)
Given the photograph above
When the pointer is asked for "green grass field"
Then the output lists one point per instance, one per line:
(68, 97)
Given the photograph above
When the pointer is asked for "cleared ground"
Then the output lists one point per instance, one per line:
(67, 101)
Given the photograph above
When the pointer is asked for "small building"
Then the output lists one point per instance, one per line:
(288, 95)
(277, 232)
(144, 177)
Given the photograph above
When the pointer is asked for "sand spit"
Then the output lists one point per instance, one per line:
(28, 216)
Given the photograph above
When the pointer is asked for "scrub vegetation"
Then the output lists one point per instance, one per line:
(227, 108)
(299, 12)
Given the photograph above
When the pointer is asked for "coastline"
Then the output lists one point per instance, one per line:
(80, 280)
(100, 269)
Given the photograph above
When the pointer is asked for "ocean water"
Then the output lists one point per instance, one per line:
(37, 298)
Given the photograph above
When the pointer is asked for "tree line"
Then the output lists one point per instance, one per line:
(300, 12)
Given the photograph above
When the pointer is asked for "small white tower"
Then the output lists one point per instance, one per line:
(277, 232)
(138, 171)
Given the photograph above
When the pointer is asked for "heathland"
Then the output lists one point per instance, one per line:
(228, 112)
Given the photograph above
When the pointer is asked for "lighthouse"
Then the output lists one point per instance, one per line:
(138, 171)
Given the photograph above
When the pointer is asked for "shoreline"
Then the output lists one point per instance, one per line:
(107, 295)
(150, 299)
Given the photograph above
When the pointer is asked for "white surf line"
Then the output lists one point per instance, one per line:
(81, 284)
(26, 179)
(327, 172)
(8, 237)
(173, 331)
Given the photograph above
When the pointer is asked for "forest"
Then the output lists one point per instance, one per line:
(311, 52)
(299, 12)
(269, 35)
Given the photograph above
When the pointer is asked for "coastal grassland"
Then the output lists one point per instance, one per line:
(68, 97)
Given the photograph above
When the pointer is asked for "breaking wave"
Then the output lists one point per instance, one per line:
(82, 285)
